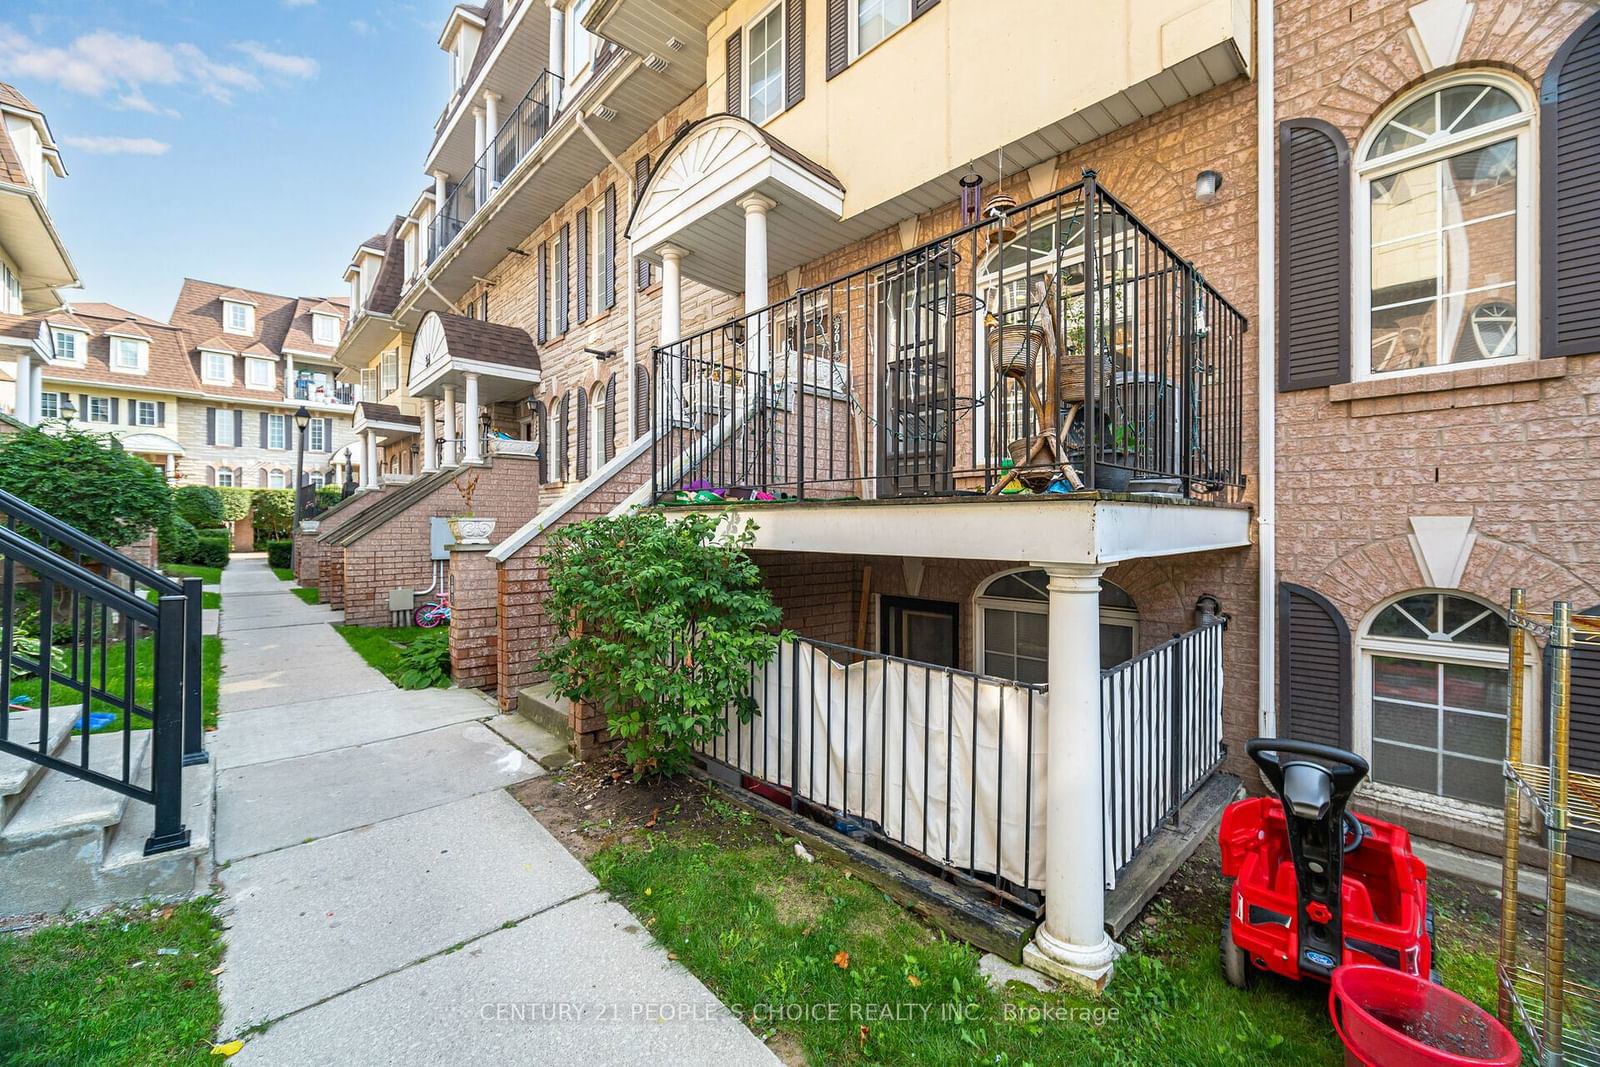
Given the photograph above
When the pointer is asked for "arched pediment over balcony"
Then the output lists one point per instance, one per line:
(696, 196)
(449, 348)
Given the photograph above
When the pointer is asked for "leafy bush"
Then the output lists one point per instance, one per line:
(235, 502)
(178, 540)
(212, 549)
(425, 662)
(278, 554)
(661, 621)
(201, 505)
(329, 495)
(85, 479)
(272, 511)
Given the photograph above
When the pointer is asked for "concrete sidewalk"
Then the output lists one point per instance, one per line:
(387, 902)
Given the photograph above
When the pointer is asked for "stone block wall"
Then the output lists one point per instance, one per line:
(474, 633)
(309, 549)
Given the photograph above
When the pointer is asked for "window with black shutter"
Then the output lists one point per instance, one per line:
(1313, 668)
(583, 435)
(641, 400)
(838, 37)
(583, 265)
(735, 66)
(544, 292)
(794, 52)
(1314, 255)
(1569, 161)
(608, 249)
(563, 244)
(641, 176)
(609, 435)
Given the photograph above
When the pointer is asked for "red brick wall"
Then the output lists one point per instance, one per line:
(474, 635)
(143, 550)
(310, 548)
(330, 579)
(396, 554)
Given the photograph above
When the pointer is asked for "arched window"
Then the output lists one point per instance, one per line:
(597, 426)
(1445, 203)
(1434, 666)
(1013, 626)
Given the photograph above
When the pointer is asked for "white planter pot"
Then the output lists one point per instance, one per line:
(469, 530)
(310, 526)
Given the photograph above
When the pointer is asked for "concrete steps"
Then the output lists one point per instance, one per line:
(68, 845)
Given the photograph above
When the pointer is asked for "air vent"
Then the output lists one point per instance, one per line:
(601, 111)
(674, 44)
(656, 63)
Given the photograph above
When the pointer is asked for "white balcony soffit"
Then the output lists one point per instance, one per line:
(368, 335)
(523, 47)
(1042, 530)
(692, 202)
(674, 31)
(34, 245)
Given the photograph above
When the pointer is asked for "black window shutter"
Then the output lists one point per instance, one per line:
(735, 99)
(838, 38)
(641, 176)
(583, 434)
(794, 52)
(541, 425)
(263, 429)
(610, 430)
(583, 265)
(641, 400)
(544, 291)
(562, 430)
(1313, 668)
(1583, 731)
(161, 412)
(483, 306)
(563, 253)
(608, 250)
(1569, 166)
(238, 429)
(1314, 255)
(921, 7)
(211, 426)
(113, 409)
(83, 407)
(327, 434)
(211, 476)
(238, 476)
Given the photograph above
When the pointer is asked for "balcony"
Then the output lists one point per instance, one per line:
(526, 127)
(1056, 350)
(333, 393)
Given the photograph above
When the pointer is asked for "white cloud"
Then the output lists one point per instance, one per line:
(362, 26)
(279, 62)
(135, 100)
(299, 3)
(118, 146)
(102, 61)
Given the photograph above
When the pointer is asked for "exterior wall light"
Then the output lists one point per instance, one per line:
(1206, 185)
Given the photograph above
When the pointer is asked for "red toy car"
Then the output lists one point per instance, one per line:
(1313, 886)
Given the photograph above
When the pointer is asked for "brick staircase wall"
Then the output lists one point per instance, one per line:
(396, 554)
(309, 549)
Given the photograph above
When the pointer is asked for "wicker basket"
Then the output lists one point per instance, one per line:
(1014, 347)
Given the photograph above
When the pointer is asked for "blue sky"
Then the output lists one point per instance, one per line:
(251, 142)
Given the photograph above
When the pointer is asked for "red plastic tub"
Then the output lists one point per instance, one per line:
(1389, 1019)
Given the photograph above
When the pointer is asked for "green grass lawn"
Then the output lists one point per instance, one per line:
(102, 991)
(380, 645)
(284, 574)
(763, 928)
(310, 596)
(208, 575)
(144, 655)
(208, 599)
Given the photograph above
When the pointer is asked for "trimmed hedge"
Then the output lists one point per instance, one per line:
(213, 549)
(278, 554)
(235, 502)
(200, 505)
(177, 540)
(329, 495)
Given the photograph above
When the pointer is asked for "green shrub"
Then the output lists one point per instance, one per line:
(636, 597)
(235, 502)
(278, 553)
(201, 505)
(425, 662)
(329, 495)
(178, 540)
(87, 480)
(272, 511)
(213, 549)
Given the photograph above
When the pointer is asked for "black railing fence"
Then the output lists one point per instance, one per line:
(1162, 713)
(90, 634)
(1058, 344)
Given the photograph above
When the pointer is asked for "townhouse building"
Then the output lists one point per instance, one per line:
(256, 358)
(34, 265)
(984, 347)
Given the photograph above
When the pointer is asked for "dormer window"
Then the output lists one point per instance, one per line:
(216, 367)
(129, 355)
(238, 317)
(458, 65)
(325, 329)
(69, 346)
(258, 373)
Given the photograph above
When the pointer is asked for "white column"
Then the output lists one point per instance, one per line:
(1072, 943)
(441, 182)
(558, 54)
(449, 456)
(755, 207)
(27, 399)
(172, 468)
(491, 127)
(430, 458)
(288, 376)
(36, 390)
(671, 295)
(470, 415)
(370, 478)
(479, 178)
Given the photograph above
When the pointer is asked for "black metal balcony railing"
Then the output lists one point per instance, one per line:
(1055, 346)
(527, 125)
(326, 394)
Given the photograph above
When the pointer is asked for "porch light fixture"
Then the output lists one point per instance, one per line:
(971, 196)
(69, 411)
(601, 353)
(1206, 185)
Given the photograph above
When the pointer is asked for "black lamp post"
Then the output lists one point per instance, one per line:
(302, 420)
(349, 472)
(69, 411)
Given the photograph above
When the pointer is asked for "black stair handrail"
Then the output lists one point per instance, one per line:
(169, 622)
(17, 509)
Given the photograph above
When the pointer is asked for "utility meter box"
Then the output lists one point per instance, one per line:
(439, 538)
(402, 600)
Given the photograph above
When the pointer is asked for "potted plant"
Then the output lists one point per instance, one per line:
(467, 527)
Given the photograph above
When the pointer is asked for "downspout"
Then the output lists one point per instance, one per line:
(1266, 370)
(628, 282)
